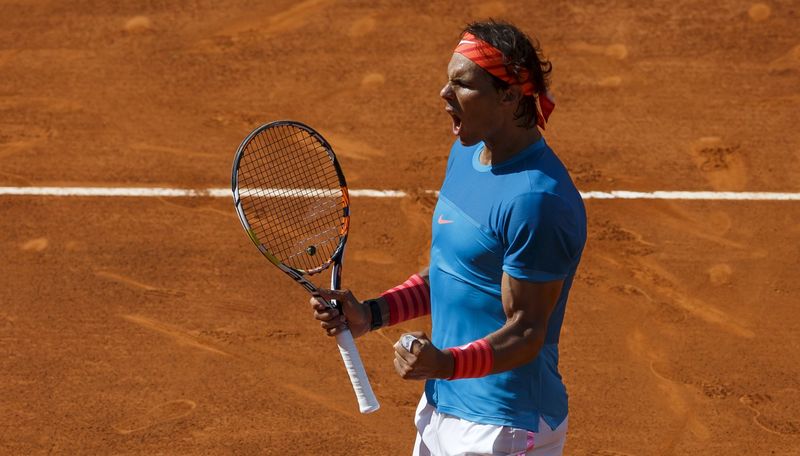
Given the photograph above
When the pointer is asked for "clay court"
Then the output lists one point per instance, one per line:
(150, 325)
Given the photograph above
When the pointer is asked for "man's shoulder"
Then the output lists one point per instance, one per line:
(544, 196)
(548, 178)
(534, 201)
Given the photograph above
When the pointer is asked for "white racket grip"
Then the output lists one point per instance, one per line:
(367, 402)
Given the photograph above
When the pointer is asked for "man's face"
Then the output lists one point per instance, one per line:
(472, 101)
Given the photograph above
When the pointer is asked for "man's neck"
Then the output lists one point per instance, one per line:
(504, 146)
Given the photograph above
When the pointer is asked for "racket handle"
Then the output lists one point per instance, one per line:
(367, 402)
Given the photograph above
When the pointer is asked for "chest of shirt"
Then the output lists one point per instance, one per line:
(463, 247)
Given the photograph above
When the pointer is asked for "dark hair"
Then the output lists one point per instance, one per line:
(519, 52)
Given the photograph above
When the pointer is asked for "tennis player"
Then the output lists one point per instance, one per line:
(508, 233)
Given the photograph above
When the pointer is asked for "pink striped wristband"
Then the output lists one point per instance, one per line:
(410, 299)
(472, 360)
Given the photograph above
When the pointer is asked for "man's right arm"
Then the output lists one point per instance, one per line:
(384, 307)
(408, 300)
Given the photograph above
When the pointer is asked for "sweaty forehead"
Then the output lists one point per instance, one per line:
(461, 67)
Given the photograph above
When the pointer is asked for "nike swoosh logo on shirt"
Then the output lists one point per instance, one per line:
(443, 221)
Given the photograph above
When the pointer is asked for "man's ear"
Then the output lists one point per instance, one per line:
(512, 94)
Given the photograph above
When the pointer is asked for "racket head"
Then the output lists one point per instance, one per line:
(291, 196)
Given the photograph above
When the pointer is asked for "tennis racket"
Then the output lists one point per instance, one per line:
(291, 197)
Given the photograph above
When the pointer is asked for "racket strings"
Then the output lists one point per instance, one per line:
(318, 208)
(289, 190)
(293, 249)
(292, 197)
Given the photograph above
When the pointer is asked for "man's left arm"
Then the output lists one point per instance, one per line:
(542, 241)
(527, 306)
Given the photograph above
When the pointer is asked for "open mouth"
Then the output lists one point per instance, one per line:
(456, 120)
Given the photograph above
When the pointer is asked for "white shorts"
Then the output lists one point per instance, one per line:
(440, 434)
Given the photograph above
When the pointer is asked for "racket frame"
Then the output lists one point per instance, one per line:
(295, 273)
(355, 368)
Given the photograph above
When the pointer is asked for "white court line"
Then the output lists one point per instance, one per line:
(665, 195)
(371, 193)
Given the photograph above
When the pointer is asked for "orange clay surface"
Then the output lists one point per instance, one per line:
(152, 326)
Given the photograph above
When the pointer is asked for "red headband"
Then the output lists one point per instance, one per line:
(490, 59)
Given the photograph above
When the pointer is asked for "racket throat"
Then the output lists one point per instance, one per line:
(311, 288)
(298, 277)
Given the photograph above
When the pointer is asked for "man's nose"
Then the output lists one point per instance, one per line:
(446, 92)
